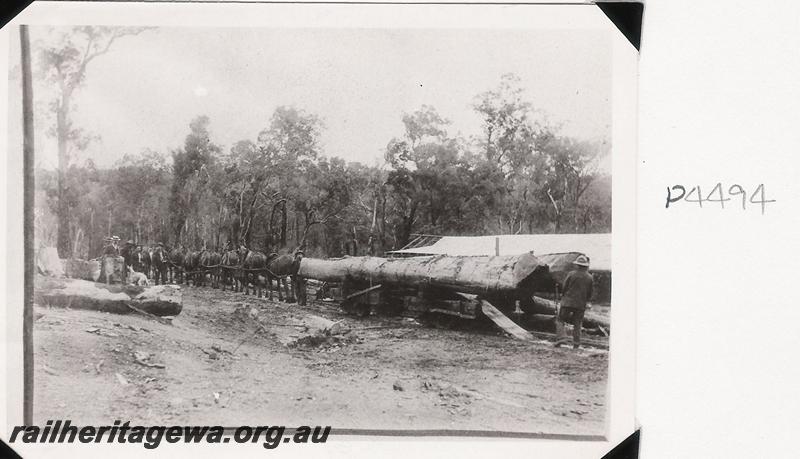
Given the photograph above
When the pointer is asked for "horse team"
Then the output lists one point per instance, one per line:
(242, 269)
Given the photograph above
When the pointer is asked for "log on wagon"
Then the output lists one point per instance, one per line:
(463, 286)
(479, 275)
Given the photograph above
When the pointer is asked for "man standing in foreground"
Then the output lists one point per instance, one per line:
(577, 293)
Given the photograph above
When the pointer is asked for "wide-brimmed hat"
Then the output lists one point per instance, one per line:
(582, 260)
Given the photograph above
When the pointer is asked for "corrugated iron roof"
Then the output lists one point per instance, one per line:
(596, 246)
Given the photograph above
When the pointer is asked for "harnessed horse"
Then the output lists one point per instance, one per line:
(175, 262)
(253, 263)
(229, 262)
(160, 265)
(279, 267)
(209, 264)
(191, 267)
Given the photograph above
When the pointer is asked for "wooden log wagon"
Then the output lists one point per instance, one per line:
(463, 286)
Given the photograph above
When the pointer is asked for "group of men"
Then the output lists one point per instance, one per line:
(130, 251)
(111, 245)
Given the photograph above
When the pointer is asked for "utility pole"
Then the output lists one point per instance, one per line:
(28, 187)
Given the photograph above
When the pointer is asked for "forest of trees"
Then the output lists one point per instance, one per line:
(280, 190)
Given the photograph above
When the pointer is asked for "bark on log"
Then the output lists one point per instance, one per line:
(477, 275)
(589, 318)
(159, 300)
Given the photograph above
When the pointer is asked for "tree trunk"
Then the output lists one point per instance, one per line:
(90, 249)
(280, 205)
(78, 237)
(62, 134)
(296, 225)
(251, 215)
(236, 232)
(218, 234)
(373, 230)
(108, 223)
(479, 275)
(247, 238)
(160, 300)
(382, 226)
(355, 242)
(407, 226)
(284, 223)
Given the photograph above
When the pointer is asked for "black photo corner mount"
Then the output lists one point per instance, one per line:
(627, 449)
(627, 16)
(6, 452)
(10, 8)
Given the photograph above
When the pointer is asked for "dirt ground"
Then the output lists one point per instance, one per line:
(215, 365)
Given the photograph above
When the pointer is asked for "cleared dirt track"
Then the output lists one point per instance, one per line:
(221, 368)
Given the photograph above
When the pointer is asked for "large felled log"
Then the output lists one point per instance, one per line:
(477, 275)
(589, 318)
(159, 300)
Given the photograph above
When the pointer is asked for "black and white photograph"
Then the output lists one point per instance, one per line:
(382, 229)
(352, 229)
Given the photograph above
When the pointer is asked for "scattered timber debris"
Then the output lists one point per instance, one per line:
(101, 332)
(143, 358)
(325, 334)
(216, 351)
(325, 342)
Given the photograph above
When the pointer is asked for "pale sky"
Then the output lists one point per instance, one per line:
(147, 89)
